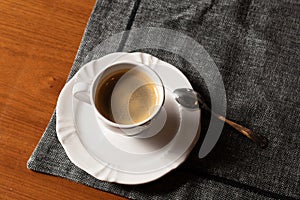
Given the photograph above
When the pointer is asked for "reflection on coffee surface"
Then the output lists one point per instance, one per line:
(127, 96)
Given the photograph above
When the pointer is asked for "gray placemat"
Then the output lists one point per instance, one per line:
(256, 48)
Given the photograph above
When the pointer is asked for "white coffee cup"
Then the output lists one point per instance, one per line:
(131, 92)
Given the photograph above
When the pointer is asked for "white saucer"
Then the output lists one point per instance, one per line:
(112, 157)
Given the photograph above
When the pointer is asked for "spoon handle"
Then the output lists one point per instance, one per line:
(255, 137)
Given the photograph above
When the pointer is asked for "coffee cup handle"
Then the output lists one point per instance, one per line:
(81, 92)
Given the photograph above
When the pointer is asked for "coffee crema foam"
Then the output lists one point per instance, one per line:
(127, 96)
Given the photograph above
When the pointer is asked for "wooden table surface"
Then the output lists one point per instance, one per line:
(38, 43)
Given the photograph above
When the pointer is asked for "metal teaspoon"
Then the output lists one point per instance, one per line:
(193, 100)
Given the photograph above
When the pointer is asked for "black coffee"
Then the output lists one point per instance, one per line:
(126, 96)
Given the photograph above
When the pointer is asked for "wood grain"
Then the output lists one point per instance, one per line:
(38, 43)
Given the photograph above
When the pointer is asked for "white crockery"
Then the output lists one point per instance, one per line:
(85, 91)
(121, 159)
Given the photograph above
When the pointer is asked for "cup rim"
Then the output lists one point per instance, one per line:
(127, 126)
